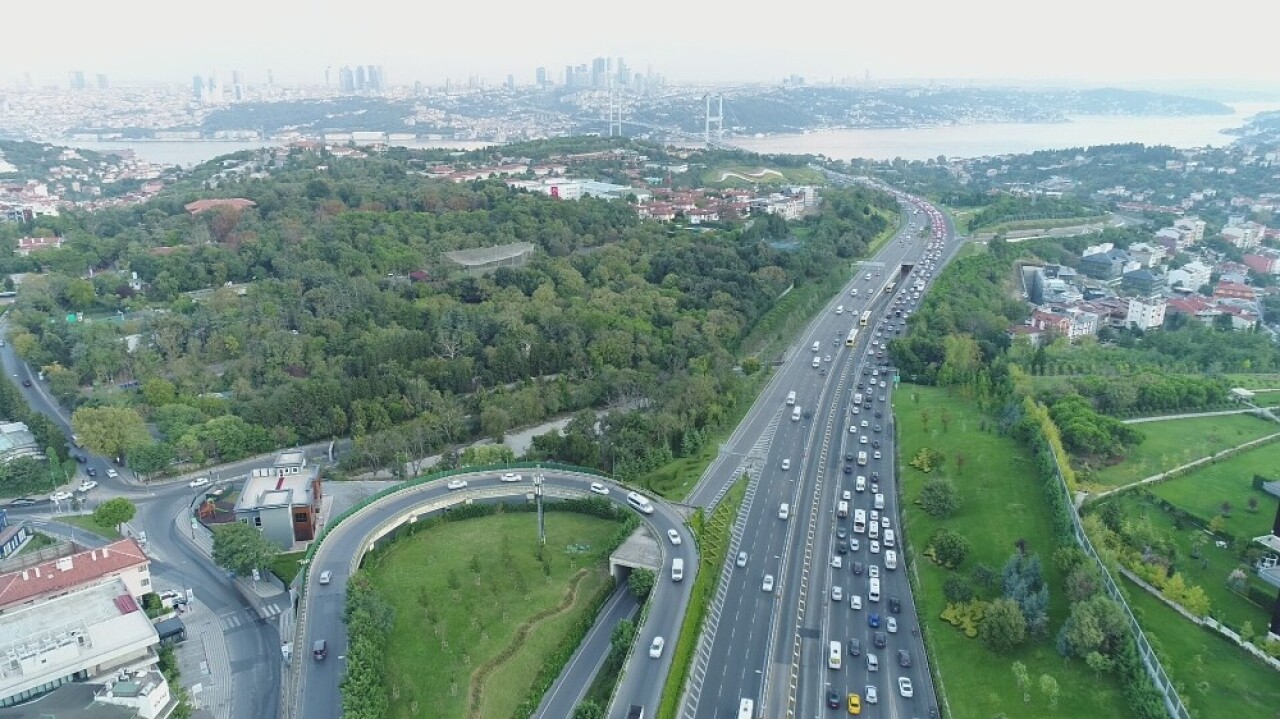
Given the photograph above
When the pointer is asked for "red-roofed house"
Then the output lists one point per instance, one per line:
(1233, 290)
(27, 245)
(235, 203)
(123, 559)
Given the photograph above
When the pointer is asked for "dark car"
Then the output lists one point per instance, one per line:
(860, 387)
(843, 546)
(875, 476)
(22, 502)
(81, 458)
(873, 620)
(848, 469)
(895, 605)
(875, 443)
(855, 647)
(878, 428)
(833, 699)
(26, 383)
(858, 568)
(320, 649)
(92, 472)
(881, 639)
(879, 414)
(904, 658)
(848, 457)
(842, 532)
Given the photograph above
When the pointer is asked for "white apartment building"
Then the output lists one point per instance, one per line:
(1192, 275)
(1145, 314)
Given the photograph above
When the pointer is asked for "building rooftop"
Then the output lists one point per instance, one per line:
(69, 701)
(276, 487)
(85, 630)
(63, 573)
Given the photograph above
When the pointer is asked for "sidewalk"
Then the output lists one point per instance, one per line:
(268, 596)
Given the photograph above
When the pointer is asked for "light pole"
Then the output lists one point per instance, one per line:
(538, 479)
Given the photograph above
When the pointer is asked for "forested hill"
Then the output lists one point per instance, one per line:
(324, 333)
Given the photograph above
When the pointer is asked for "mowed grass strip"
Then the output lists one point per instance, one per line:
(1174, 442)
(1003, 502)
(449, 621)
(1202, 491)
(1218, 679)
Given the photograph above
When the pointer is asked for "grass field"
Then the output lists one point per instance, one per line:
(286, 566)
(85, 522)
(1003, 503)
(1174, 442)
(450, 620)
(1203, 491)
(752, 175)
(1210, 574)
(1220, 680)
(1255, 381)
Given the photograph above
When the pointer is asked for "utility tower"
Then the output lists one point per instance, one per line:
(718, 119)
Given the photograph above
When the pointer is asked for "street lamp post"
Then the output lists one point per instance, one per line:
(538, 479)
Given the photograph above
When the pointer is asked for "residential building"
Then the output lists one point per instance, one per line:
(1145, 314)
(1104, 265)
(1142, 282)
(1264, 263)
(1246, 236)
(1148, 255)
(1191, 276)
(27, 245)
(122, 561)
(283, 501)
(1192, 228)
(95, 631)
(1070, 322)
(16, 440)
(1233, 290)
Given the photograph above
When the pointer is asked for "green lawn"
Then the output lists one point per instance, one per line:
(1203, 491)
(1210, 572)
(752, 175)
(286, 566)
(1219, 678)
(1255, 381)
(85, 521)
(37, 542)
(1174, 442)
(1003, 502)
(442, 635)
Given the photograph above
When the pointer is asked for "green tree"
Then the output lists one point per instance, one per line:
(150, 458)
(241, 549)
(63, 383)
(114, 512)
(494, 422)
(110, 431)
(1098, 663)
(588, 710)
(78, 294)
(641, 582)
(486, 454)
(939, 498)
(950, 548)
(1003, 626)
(1049, 686)
(158, 392)
(1023, 679)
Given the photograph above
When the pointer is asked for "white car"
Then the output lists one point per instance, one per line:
(786, 464)
(855, 601)
(875, 454)
(853, 429)
(837, 593)
(865, 424)
(872, 697)
(873, 571)
(768, 583)
(837, 562)
(884, 521)
(854, 544)
(511, 477)
(60, 496)
(326, 576)
(828, 358)
(457, 484)
(874, 546)
(655, 649)
(846, 495)
(112, 473)
(86, 485)
(198, 482)
(742, 559)
(600, 489)
(891, 624)
(863, 440)
(904, 687)
(674, 536)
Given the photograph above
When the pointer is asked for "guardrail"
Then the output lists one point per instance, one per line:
(289, 707)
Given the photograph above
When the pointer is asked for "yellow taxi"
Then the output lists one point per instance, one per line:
(855, 704)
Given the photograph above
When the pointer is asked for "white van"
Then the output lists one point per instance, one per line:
(834, 656)
(859, 521)
(791, 398)
(862, 459)
(817, 346)
(817, 362)
(879, 502)
(784, 511)
(842, 509)
(874, 592)
(840, 309)
(640, 502)
(795, 414)
(888, 537)
(860, 483)
(677, 569)
(890, 559)
(873, 530)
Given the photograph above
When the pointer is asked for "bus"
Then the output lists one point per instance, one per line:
(853, 337)
(866, 317)
(888, 289)
(746, 709)
(834, 655)
(859, 520)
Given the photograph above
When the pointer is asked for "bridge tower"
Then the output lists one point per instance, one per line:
(615, 112)
(718, 119)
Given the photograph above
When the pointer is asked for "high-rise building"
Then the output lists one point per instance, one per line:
(374, 79)
(346, 79)
(237, 86)
(622, 74)
(541, 77)
(600, 72)
(361, 80)
(511, 81)
(197, 88)
(568, 75)
(75, 79)
(103, 84)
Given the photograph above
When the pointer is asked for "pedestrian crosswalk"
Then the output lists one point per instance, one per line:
(242, 617)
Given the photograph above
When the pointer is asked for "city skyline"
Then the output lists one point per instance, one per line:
(991, 40)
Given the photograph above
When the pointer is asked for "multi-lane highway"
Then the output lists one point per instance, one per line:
(317, 695)
(771, 645)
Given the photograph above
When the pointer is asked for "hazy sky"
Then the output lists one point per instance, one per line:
(1099, 41)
